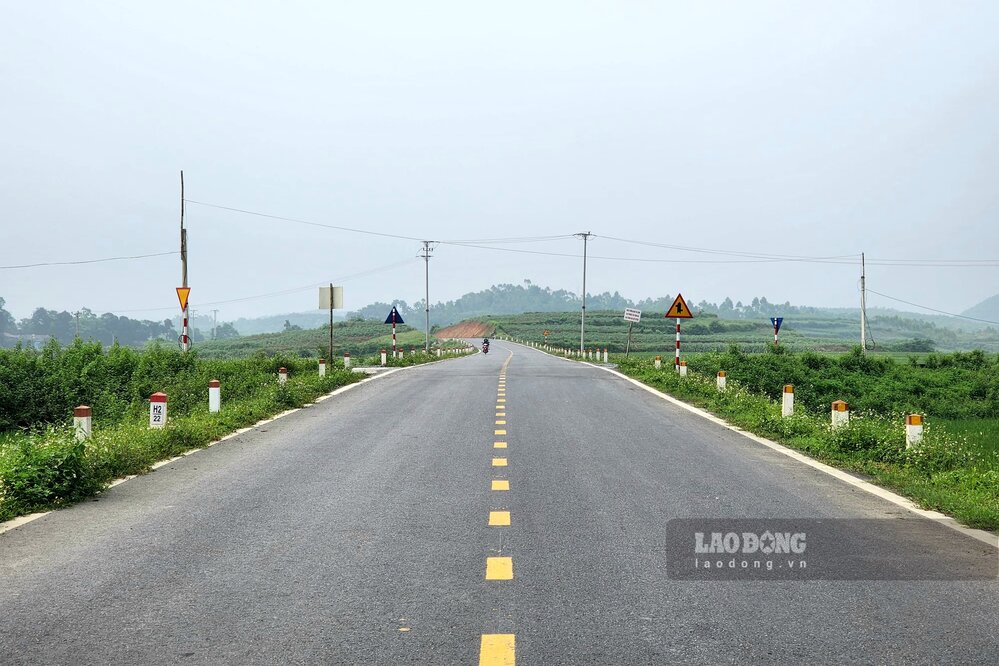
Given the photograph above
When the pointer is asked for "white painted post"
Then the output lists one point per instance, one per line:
(214, 396)
(402, 352)
(605, 355)
(840, 414)
(913, 430)
(158, 410)
(722, 380)
(787, 401)
(384, 357)
(83, 422)
(659, 362)
(322, 367)
(346, 360)
(683, 368)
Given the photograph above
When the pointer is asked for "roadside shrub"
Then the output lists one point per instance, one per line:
(44, 469)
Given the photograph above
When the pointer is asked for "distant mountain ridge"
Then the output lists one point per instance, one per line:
(987, 309)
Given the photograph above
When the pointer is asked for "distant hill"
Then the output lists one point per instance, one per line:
(987, 309)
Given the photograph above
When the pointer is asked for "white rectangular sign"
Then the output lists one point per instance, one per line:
(633, 315)
(324, 298)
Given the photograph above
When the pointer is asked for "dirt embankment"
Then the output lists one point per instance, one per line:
(466, 329)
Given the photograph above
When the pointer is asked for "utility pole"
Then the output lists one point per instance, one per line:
(215, 322)
(185, 341)
(330, 357)
(582, 319)
(77, 324)
(863, 304)
(427, 250)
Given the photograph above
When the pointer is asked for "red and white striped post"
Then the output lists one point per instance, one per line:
(787, 401)
(185, 340)
(157, 410)
(384, 357)
(82, 422)
(214, 396)
(346, 360)
(775, 335)
(676, 362)
(282, 375)
(322, 367)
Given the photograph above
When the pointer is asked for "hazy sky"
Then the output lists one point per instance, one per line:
(799, 128)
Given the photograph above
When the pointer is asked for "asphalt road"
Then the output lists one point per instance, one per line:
(356, 531)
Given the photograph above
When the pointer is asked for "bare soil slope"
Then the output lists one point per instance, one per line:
(466, 329)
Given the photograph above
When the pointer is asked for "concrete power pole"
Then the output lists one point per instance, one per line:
(427, 250)
(185, 340)
(863, 304)
(215, 322)
(582, 319)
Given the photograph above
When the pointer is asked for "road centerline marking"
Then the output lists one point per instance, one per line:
(498, 650)
(499, 462)
(499, 568)
(500, 422)
(500, 431)
(499, 519)
(499, 445)
(500, 484)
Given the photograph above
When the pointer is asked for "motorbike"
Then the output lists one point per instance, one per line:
(485, 347)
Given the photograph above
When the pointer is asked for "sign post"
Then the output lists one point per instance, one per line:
(631, 315)
(776, 321)
(394, 318)
(331, 298)
(679, 310)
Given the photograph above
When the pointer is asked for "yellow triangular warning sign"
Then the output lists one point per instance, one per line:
(182, 294)
(679, 309)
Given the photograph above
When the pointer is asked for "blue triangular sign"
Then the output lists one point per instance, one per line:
(776, 321)
(394, 317)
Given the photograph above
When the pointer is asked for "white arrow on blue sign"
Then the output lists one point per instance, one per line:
(394, 317)
(776, 321)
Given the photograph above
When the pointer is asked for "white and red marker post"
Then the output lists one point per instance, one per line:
(158, 410)
(83, 425)
(676, 360)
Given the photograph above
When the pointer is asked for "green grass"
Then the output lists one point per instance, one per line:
(981, 433)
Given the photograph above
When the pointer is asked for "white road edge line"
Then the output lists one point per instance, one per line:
(14, 523)
(981, 535)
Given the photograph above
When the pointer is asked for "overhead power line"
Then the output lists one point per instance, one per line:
(926, 307)
(88, 261)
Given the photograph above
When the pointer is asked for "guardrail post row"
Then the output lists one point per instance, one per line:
(282, 375)
(913, 430)
(384, 357)
(722, 380)
(83, 424)
(840, 414)
(659, 362)
(214, 396)
(322, 367)
(158, 410)
(683, 368)
(787, 401)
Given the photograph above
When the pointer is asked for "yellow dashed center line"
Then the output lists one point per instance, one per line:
(497, 650)
(499, 462)
(499, 568)
(500, 422)
(500, 431)
(499, 519)
(501, 400)
(500, 484)
(499, 445)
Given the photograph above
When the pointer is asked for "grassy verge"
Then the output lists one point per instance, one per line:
(949, 471)
(45, 467)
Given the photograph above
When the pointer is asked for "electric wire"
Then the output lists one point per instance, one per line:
(90, 261)
(926, 307)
